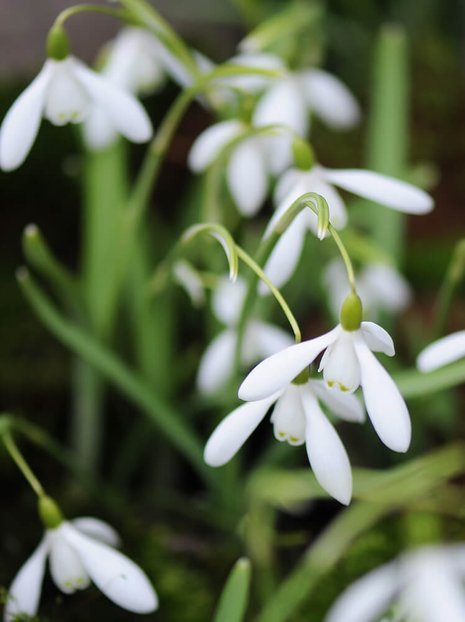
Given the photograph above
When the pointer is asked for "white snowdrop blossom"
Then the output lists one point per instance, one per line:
(261, 339)
(380, 287)
(442, 352)
(63, 92)
(427, 584)
(297, 418)
(397, 195)
(347, 363)
(81, 551)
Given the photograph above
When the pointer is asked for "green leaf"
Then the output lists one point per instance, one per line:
(235, 595)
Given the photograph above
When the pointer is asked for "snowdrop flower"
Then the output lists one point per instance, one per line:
(81, 551)
(63, 92)
(427, 584)
(347, 363)
(260, 340)
(297, 418)
(442, 352)
(380, 287)
(387, 191)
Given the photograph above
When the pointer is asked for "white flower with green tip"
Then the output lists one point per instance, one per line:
(297, 418)
(81, 551)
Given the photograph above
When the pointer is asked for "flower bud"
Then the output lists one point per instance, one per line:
(57, 43)
(351, 312)
(49, 512)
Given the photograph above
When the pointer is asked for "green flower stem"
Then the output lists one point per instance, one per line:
(89, 8)
(159, 412)
(21, 463)
(455, 273)
(345, 257)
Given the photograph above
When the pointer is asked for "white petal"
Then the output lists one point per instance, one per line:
(248, 82)
(337, 208)
(288, 417)
(98, 529)
(229, 436)
(336, 284)
(384, 190)
(278, 151)
(66, 568)
(326, 453)
(277, 371)
(366, 599)
(211, 142)
(339, 364)
(442, 352)
(346, 406)
(98, 130)
(384, 403)
(227, 300)
(119, 578)
(285, 255)
(216, 365)
(285, 184)
(21, 123)
(189, 279)
(124, 111)
(24, 592)
(282, 104)
(247, 177)
(294, 192)
(330, 99)
(270, 339)
(377, 339)
(384, 288)
(67, 100)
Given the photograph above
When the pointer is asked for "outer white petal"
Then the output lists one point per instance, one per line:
(98, 529)
(66, 568)
(216, 365)
(124, 111)
(24, 592)
(366, 599)
(277, 371)
(248, 82)
(377, 339)
(229, 436)
(282, 104)
(21, 123)
(285, 184)
(326, 453)
(227, 300)
(346, 406)
(442, 352)
(98, 130)
(270, 339)
(329, 98)
(247, 177)
(385, 288)
(210, 142)
(119, 578)
(384, 190)
(384, 403)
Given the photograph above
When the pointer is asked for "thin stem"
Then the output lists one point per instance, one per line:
(276, 293)
(89, 8)
(454, 274)
(21, 463)
(344, 255)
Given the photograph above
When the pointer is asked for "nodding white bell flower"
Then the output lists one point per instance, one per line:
(442, 352)
(347, 363)
(427, 585)
(380, 287)
(64, 92)
(397, 195)
(81, 551)
(261, 339)
(297, 418)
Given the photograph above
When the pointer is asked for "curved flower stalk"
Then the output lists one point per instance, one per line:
(442, 352)
(427, 584)
(297, 418)
(347, 363)
(81, 551)
(261, 338)
(397, 195)
(380, 287)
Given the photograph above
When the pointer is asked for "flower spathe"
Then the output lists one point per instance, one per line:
(63, 92)
(297, 418)
(81, 551)
(348, 362)
(426, 583)
(442, 352)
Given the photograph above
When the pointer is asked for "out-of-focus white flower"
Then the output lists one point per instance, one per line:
(80, 551)
(347, 363)
(380, 287)
(260, 340)
(297, 418)
(442, 352)
(382, 189)
(427, 584)
(64, 92)
(190, 280)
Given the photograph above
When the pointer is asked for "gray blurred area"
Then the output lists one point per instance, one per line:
(24, 25)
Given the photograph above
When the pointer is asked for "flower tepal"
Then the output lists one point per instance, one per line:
(63, 92)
